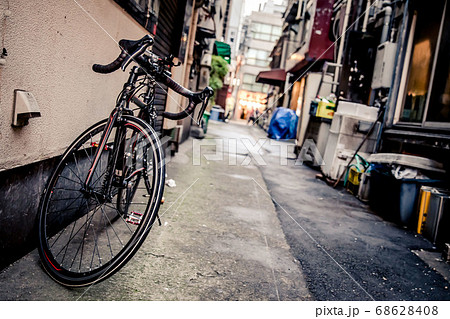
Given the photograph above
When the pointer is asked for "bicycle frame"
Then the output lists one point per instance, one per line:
(122, 106)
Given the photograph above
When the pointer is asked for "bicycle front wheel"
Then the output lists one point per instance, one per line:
(88, 232)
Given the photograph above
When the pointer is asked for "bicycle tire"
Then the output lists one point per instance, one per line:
(77, 256)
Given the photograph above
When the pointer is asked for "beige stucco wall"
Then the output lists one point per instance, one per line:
(52, 45)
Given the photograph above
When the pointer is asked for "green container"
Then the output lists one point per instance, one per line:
(205, 120)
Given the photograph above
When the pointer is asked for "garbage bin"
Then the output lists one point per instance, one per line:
(216, 112)
(396, 199)
(205, 120)
(437, 223)
(423, 204)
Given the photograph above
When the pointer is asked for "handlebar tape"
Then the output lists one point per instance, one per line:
(185, 92)
(194, 99)
(177, 87)
(113, 66)
(181, 115)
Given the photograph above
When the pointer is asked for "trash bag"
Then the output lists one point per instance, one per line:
(283, 125)
(404, 172)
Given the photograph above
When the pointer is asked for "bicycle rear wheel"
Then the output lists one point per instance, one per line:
(86, 235)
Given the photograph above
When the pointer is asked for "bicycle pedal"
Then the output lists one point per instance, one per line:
(134, 218)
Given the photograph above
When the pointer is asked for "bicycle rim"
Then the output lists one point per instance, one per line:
(86, 235)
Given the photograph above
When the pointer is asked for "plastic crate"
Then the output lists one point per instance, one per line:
(353, 180)
(326, 109)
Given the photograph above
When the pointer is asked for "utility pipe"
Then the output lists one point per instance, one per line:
(366, 16)
(341, 42)
(386, 22)
(390, 105)
(358, 13)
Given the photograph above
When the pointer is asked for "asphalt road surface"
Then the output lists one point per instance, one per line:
(345, 251)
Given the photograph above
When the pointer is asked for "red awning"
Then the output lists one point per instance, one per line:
(274, 77)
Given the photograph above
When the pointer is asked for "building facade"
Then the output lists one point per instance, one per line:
(260, 31)
(370, 81)
(50, 48)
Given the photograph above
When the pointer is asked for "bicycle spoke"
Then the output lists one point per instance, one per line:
(98, 178)
(107, 236)
(59, 236)
(87, 226)
(109, 222)
(98, 254)
(121, 217)
(68, 166)
(63, 199)
(95, 249)
(67, 189)
(67, 207)
(76, 165)
(54, 213)
(72, 236)
(67, 246)
(69, 179)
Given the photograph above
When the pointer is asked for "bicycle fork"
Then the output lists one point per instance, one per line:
(101, 146)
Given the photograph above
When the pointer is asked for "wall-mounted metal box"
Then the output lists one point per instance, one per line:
(384, 65)
(25, 107)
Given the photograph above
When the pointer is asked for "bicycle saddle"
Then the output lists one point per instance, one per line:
(131, 46)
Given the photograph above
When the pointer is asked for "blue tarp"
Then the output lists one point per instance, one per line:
(283, 125)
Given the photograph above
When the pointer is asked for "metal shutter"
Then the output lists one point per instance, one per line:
(163, 45)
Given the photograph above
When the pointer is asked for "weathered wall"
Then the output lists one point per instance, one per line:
(52, 46)
(20, 192)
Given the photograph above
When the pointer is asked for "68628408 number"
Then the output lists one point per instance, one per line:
(407, 310)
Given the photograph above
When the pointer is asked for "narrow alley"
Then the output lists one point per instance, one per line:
(240, 224)
(225, 150)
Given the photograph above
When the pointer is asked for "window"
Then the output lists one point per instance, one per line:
(257, 57)
(249, 78)
(439, 106)
(265, 32)
(426, 96)
(249, 84)
(145, 12)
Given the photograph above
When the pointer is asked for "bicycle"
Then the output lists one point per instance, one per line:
(104, 194)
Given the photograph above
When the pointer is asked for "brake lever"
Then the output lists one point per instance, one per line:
(208, 92)
(202, 110)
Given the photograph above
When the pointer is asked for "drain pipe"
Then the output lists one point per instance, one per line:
(386, 23)
(366, 16)
(341, 41)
